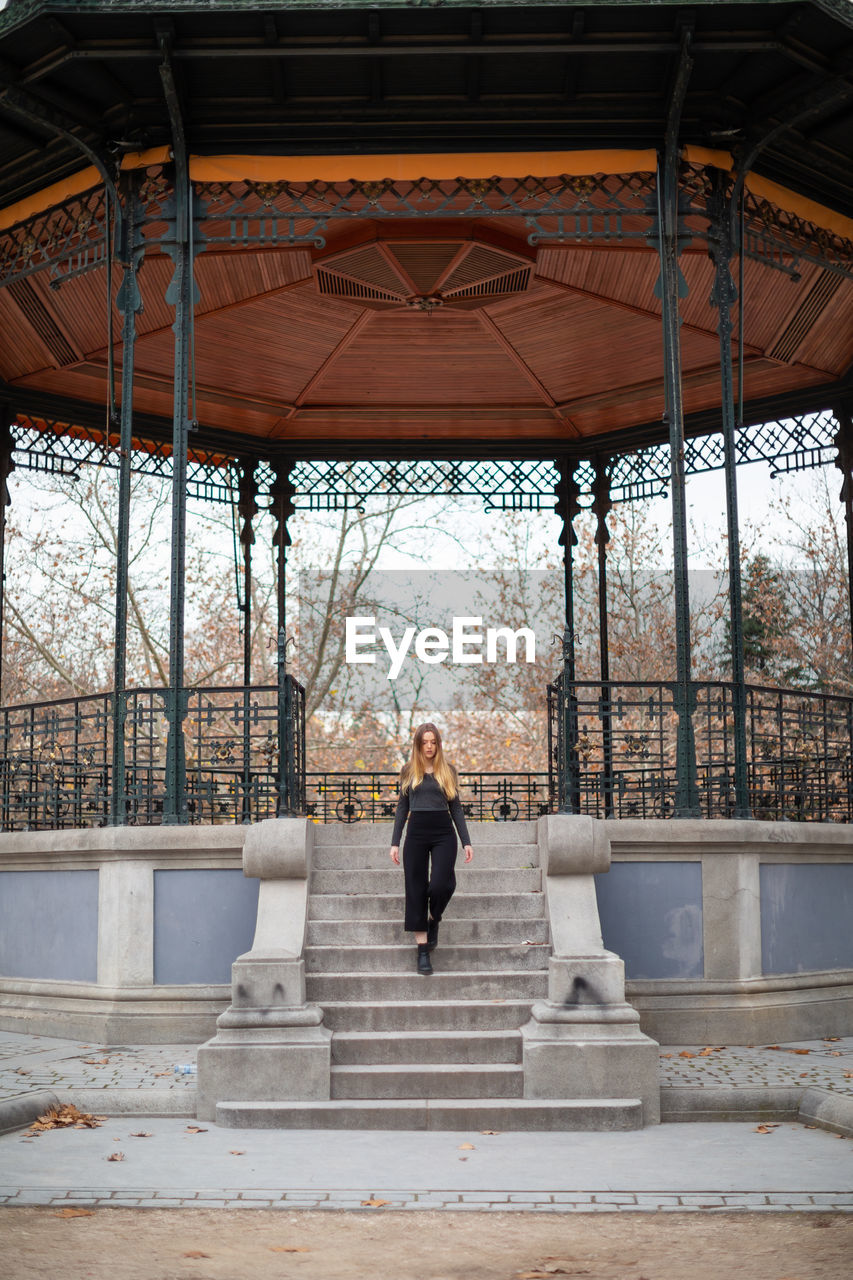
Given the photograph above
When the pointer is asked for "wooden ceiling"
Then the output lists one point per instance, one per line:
(464, 332)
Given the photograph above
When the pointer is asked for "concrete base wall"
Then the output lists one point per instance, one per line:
(695, 969)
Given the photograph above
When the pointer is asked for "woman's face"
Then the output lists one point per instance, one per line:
(429, 746)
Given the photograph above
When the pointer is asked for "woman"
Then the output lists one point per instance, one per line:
(429, 798)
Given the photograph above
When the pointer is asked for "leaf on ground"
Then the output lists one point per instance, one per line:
(801, 1051)
(666, 1055)
(21, 1071)
(193, 1128)
(116, 1155)
(685, 1053)
(194, 1253)
(848, 1075)
(286, 1248)
(490, 1133)
(533, 1275)
(804, 1075)
(373, 1203)
(74, 1213)
(159, 1074)
(467, 1146)
(765, 1128)
(831, 1039)
(96, 1062)
(236, 1153)
(810, 1126)
(142, 1134)
(64, 1116)
(835, 1053)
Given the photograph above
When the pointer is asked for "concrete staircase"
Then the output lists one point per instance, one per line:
(439, 1052)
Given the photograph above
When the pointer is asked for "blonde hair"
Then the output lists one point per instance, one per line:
(412, 774)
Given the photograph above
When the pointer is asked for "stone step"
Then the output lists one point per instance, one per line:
(401, 958)
(406, 1016)
(379, 833)
(390, 880)
(442, 1080)
(372, 1048)
(364, 933)
(354, 857)
(389, 906)
(458, 1115)
(442, 985)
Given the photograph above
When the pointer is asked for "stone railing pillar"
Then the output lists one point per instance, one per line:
(584, 1041)
(270, 1044)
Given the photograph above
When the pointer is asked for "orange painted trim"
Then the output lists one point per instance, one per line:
(142, 159)
(779, 196)
(84, 180)
(437, 165)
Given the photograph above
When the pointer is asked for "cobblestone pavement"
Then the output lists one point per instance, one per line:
(46, 1062)
(169, 1162)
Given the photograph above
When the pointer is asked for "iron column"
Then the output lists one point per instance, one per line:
(670, 288)
(129, 303)
(723, 294)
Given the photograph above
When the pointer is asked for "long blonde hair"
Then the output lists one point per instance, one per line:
(412, 774)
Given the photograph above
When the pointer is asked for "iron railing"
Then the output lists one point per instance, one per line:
(56, 757)
(621, 757)
(372, 797)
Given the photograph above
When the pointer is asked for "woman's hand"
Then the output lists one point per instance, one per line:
(469, 853)
(395, 854)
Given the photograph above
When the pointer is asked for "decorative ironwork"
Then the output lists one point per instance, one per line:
(372, 797)
(799, 751)
(56, 760)
(60, 448)
(68, 239)
(503, 485)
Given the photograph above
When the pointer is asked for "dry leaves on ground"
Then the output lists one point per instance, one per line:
(491, 1133)
(142, 1134)
(236, 1153)
(765, 1128)
(709, 1049)
(195, 1253)
(96, 1062)
(74, 1213)
(685, 1053)
(467, 1146)
(65, 1116)
(116, 1155)
(21, 1071)
(193, 1128)
(286, 1248)
(373, 1203)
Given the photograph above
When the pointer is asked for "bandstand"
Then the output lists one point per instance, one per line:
(554, 256)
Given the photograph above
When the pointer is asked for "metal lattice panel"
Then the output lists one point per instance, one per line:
(67, 239)
(332, 485)
(46, 446)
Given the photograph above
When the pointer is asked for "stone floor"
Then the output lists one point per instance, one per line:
(168, 1161)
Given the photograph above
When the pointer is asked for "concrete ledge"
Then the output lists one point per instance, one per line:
(682, 1104)
(23, 1109)
(828, 1109)
(454, 1115)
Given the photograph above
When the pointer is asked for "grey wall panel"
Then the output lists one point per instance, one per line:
(806, 917)
(651, 916)
(203, 920)
(49, 925)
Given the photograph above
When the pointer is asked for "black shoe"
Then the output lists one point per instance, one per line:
(424, 964)
(432, 935)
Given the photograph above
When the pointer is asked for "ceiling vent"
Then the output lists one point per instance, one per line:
(791, 337)
(424, 275)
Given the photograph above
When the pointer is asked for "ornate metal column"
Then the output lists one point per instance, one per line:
(7, 466)
(248, 509)
(567, 507)
(670, 288)
(723, 295)
(602, 505)
(181, 294)
(844, 462)
(282, 492)
(129, 304)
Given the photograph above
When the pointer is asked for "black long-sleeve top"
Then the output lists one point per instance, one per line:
(428, 798)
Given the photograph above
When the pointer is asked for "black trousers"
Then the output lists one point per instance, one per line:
(429, 859)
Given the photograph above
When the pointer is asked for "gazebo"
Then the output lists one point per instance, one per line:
(546, 254)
